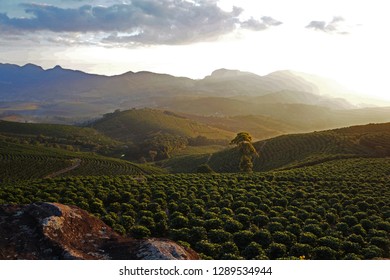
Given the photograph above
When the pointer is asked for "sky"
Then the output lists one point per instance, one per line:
(341, 39)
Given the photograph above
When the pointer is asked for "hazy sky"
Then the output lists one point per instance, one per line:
(342, 39)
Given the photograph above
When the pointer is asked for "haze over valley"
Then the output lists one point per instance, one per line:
(288, 99)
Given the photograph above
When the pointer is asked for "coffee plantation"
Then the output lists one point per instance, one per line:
(327, 211)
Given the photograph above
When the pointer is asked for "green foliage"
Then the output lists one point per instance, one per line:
(140, 232)
(285, 238)
(232, 226)
(243, 238)
(247, 150)
(327, 152)
(204, 168)
(219, 236)
(275, 226)
(234, 216)
(330, 241)
(157, 133)
(208, 248)
(308, 238)
(324, 253)
(26, 162)
(277, 251)
(301, 250)
(138, 123)
(254, 251)
(197, 234)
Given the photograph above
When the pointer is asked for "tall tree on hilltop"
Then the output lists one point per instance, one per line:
(243, 141)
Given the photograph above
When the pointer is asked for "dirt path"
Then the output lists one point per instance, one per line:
(262, 146)
(75, 163)
(208, 159)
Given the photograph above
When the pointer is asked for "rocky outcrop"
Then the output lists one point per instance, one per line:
(56, 231)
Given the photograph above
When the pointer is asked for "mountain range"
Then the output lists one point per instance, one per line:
(296, 100)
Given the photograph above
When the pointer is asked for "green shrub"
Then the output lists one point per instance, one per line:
(161, 228)
(275, 226)
(383, 226)
(352, 256)
(229, 248)
(197, 234)
(367, 224)
(181, 234)
(285, 238)
(329, 241)
(140, 232)
(276, 251)
(350, 220)
(254, 251)
(351, 247)
(204, 168)
(372, 252)
(308, 238)
(209, 249)
(219, 236)
(324, 253)
(179, 222)
(244, 219)
(243, 238)
(263, 237)
(301, 250)
(147, 222)
(229, 256)
(232, 226)
(356, 239)
(213, 223)
(331, 218)
(313, 228)
(343, 228)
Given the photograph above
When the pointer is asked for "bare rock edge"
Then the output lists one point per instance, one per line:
(49, 231)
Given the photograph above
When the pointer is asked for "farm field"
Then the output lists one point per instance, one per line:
(28, 162)
(334, 210)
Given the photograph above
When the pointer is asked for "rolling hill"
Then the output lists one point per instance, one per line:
(298, 116)
(298, 150)
(260, 127)
(139, 124)
(57, 131)
(28, 162)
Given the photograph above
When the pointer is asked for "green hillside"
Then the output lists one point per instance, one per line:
(296, 150)
(138, 124)
(323, 195)
(260, 127)
(60, 132)
(302, 117)
(26, 162)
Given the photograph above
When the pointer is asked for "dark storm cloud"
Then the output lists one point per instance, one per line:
(145, 22)
(334, 26)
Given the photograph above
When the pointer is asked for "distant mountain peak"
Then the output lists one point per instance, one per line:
(227, 73)
(58, 67)
(32, 67)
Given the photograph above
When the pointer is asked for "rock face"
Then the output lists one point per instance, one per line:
(56, 231)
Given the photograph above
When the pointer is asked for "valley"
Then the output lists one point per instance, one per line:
(151, 156)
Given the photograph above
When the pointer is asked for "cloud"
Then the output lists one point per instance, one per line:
(336, 26)
(139, 21)
(256, 25)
